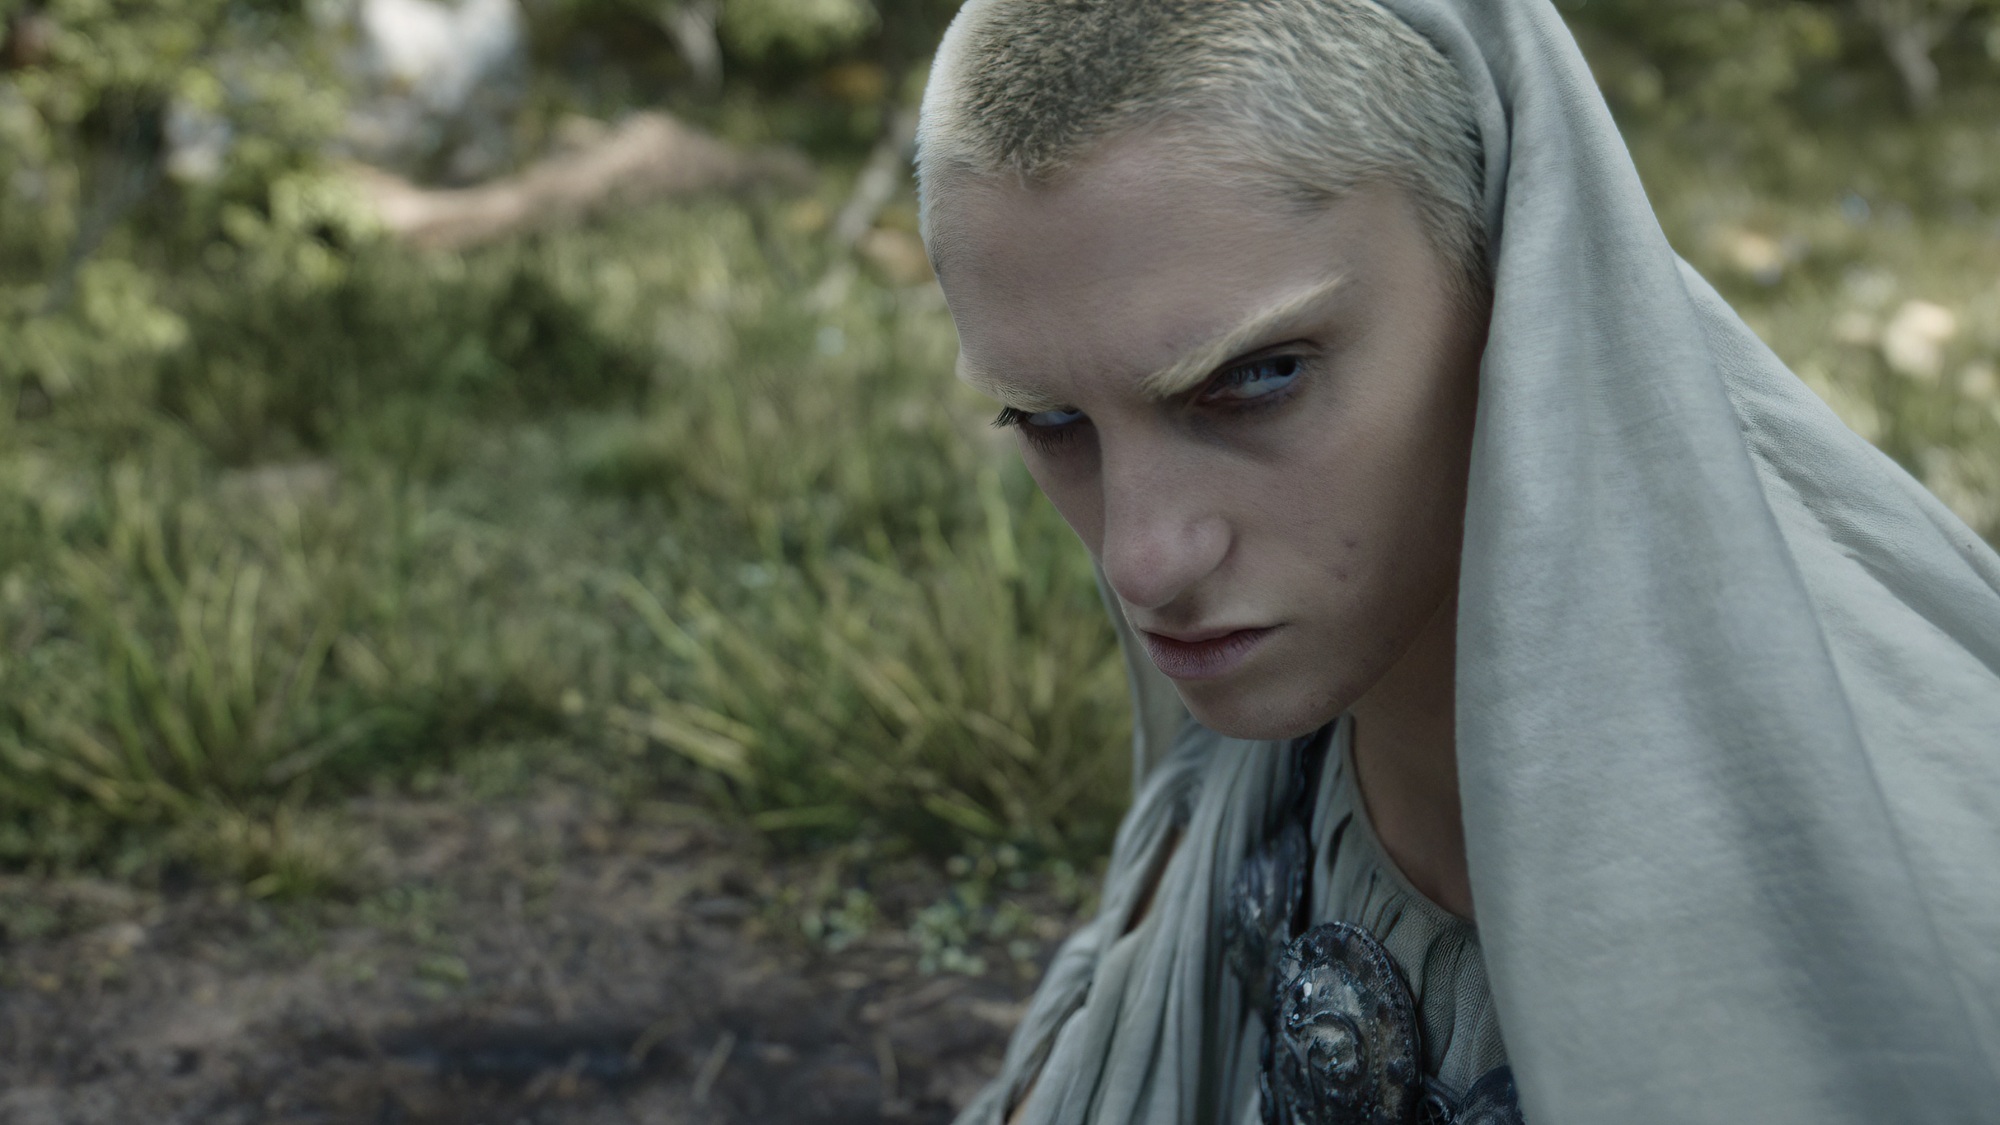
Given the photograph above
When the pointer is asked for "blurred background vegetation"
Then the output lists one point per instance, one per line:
(303, 498)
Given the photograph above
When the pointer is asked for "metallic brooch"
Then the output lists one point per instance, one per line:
(1343, 1039)
(1342, 1043)
(1344, 1046)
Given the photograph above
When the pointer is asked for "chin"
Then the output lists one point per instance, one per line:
(1274, 714)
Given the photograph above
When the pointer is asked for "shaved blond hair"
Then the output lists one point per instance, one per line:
(1303, 100)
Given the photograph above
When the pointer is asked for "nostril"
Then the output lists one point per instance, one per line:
(1153, 568)
(1138, 591)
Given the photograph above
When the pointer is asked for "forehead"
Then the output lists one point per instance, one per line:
(1130, 258)
(1131, 205)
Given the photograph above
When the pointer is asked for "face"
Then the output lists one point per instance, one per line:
(1257, 419)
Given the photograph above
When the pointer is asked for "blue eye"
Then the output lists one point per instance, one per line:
(1051, 419)
(1046, 429)
(1253, 380)
(1038, 420)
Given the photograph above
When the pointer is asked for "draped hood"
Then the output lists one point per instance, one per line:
(1728, 706)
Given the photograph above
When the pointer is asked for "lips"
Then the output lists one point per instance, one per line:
(1204, 654)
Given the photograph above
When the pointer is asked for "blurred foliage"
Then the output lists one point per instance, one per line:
(339, 532)
(757, 28)
(1852, 220)
(686, 498)
(938, 699)
(1758, 63)
(95, 94)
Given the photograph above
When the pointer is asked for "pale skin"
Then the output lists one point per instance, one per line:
(1258, 419)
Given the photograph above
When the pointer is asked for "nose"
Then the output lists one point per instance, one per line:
(1160, 539)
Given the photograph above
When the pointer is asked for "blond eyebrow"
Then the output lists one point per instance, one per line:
(1194, 367)
(1010, 393)
(1178, 377)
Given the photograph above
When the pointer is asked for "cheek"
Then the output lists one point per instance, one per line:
(1311, 518)
(1397, 448)
(1361, 504)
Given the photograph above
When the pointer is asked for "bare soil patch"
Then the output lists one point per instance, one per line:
(529, 962)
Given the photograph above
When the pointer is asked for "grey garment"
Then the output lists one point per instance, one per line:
(1728, 709)
(1438, 952)
(1136, 1026)
(1728, 678)
(1094, 1046)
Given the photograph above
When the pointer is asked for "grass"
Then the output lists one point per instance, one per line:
(192, 647)
(328, 532)
(937, 701)
(689, 503)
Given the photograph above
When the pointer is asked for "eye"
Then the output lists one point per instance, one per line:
(1253, 380)
(1045, 428)
(1051, 419)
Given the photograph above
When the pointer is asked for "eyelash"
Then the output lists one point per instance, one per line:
(1236, 376)
(1041, 437)
(1050, 437)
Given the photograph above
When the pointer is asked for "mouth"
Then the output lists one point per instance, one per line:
(1202, 654)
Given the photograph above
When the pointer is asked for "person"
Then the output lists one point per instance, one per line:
(1547, 710)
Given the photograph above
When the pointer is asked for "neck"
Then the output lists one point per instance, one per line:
(1406, 765)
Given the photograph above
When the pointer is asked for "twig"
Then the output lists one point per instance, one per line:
(711, 1067)
(648, 1039)
(649, 156)
(539, 970)
(885, 1066)
(692, 26)
(888, 164)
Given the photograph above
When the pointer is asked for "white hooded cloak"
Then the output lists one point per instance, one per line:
(1728, 708)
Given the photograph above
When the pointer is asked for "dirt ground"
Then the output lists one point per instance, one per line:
(534, 962)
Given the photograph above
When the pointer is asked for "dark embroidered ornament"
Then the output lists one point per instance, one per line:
(1343, 1046)
(1342, 1042)
(1267, 895)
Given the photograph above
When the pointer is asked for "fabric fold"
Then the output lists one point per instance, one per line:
(1728, 711)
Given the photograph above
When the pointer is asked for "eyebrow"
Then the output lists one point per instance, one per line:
(1009, 392)
(1199, 362)
(1183, 374)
